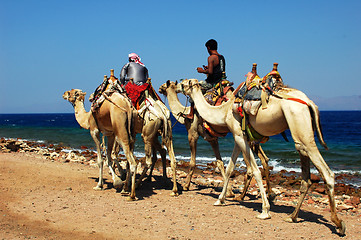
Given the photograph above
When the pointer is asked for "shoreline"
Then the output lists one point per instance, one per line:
(207, 175)
(47, 195)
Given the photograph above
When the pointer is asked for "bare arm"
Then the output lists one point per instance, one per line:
(208, 69)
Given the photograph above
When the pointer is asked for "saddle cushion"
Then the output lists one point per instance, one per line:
(134, 91)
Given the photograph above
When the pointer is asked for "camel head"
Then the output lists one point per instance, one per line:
(74, 95)
(188, 85)
(169, 84)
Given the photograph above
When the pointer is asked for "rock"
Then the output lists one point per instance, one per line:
(345, 207)
(320, 189)
(314, 178)
(355, 200)
(276, 191)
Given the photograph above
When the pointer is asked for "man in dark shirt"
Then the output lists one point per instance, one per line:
(134, 69)
(216, 64)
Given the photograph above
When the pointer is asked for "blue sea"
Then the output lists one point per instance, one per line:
(341, 129)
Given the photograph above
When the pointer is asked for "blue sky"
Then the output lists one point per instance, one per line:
(48, 46)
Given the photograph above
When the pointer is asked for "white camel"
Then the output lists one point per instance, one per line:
(300, 115)
(195, 129)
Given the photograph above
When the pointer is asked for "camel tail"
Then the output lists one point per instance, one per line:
(130, 123)
(315, 113)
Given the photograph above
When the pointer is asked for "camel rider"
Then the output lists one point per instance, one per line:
(216, 66)
(134, 69)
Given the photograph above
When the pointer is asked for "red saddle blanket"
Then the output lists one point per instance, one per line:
(134, 91)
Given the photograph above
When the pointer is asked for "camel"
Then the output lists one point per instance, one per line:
(195, 129)
(149, 121)
(298, 114)
(114, 119)
(152, 119)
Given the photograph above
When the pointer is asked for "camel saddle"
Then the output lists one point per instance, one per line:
(214, 96)
(256, 91)
(104, 90)
(138, 93)
(217, 95)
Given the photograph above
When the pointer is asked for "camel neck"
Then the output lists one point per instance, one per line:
(212, 114)
(81, 116)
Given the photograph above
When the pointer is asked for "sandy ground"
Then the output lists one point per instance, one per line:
(42, 199)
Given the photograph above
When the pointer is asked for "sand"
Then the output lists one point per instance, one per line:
(43, 199)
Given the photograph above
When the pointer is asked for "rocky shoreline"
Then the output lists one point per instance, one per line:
(284, 184)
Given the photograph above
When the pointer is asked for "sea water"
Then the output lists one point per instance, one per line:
(341, 131)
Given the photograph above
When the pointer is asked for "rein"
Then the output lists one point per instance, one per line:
(107, 98)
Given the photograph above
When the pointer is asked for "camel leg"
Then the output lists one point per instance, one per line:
(173, 164)
(329, 178)
(192, 140)
(154, 160)
(125, 190)
(163, 154)
(248, 156)
(132, 172)
(305, 186)
(309, 148)
(258, 176)
(127, 148)
(264, 160)
(96, 137)
(229, 170)
(215, 146)
(117, 182)
(247, 180)
(148, 159)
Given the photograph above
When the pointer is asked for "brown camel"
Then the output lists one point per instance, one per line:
(300, 116)
(114, 119)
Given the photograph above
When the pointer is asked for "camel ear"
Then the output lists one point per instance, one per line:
(168, 83)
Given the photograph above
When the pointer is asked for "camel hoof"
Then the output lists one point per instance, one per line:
(264, 216)
(342, 229)
(185, 187)
(97, 188)
(290, 220)
(130, 199)
(238, 198)
(124, 193)
(219, 203)
(272, 197)
(230, 195)
(174, 194)
(118, 183)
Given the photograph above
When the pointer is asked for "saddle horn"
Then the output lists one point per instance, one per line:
(254, 68)
(112, 77)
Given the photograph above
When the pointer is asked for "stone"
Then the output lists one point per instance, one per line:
(355, 200)
(320, 189)
(315, 178)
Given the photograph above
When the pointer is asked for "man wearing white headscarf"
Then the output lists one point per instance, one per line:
(134, 69)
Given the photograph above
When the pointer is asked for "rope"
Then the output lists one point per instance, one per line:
(107, 98)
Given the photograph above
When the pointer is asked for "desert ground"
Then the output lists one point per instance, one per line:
(47, 199)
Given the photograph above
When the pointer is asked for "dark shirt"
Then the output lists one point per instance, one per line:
(218, 70)
(134, 70)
